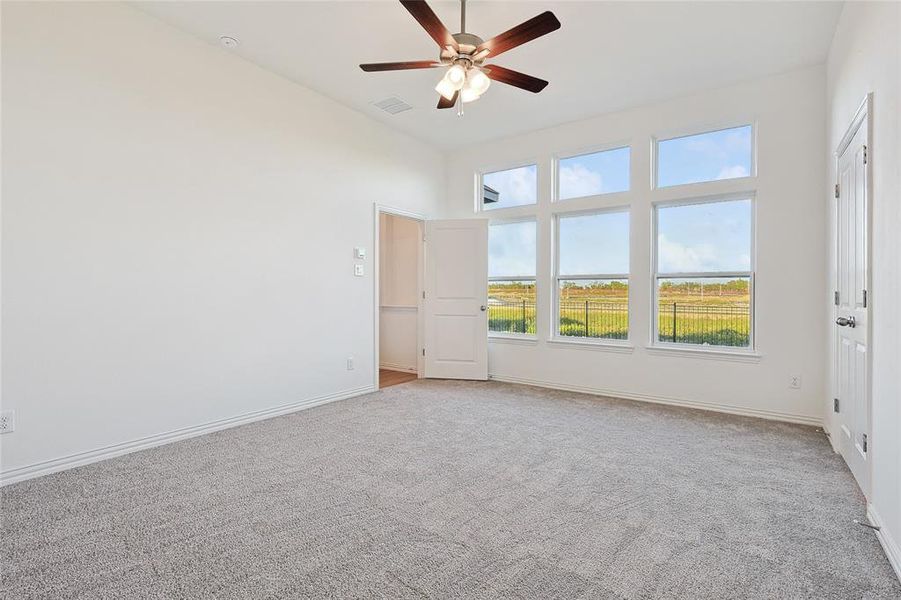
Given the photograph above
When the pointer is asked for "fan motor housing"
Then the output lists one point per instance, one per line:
(467, 44)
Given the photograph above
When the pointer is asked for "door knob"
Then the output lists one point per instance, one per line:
(483, 308)
(846, 322)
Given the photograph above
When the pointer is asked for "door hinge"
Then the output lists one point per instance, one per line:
(865, 155)
(423, 351)
(835, 297)
(836, 190)
(864, 298)
(864, 442)
(835, 405)
(423, 294)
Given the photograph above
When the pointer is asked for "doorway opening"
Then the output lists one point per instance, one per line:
(399, 281)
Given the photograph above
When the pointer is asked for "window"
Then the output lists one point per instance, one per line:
(704, 273)
(511, 277)
(513, 187)
(711, 156)
(593, 174)
(593, 275)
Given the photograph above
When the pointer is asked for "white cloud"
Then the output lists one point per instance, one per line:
(516, 186)
(576, 181)
(732, 172)
(680, 258)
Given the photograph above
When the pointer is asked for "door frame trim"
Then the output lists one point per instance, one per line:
(377, 211)
(861, 119)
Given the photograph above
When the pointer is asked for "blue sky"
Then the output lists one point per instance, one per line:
(592, 174)
(516, 186)
(723, 154)
(594, 244)
(714, 236)
(691, 238)
(511, 249)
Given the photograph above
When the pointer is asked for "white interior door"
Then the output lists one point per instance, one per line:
(850, 318)
(456, 299)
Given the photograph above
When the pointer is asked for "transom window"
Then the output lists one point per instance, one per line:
(592, 275)
(508, 188)
(604, 172)
(704, 275)
(710, 156)
(511, 277)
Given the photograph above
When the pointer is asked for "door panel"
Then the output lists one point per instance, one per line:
(850, 317)
(456, 320)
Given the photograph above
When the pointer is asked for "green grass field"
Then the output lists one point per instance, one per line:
(688, 313)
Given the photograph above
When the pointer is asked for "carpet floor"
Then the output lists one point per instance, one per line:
(439, 489)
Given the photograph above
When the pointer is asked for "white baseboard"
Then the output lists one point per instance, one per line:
(17, 474)
(722, 408)
(395, 367)
(889, 544)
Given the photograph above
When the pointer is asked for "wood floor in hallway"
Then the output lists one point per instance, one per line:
(388, 378)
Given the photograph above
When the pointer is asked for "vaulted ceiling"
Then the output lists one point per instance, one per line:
(607, 56)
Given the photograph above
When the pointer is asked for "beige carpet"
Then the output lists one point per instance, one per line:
(455, 490)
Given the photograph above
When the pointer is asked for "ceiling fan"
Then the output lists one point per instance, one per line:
(467, 77)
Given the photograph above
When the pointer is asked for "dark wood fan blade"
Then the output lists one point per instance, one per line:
(535, 27)
(515, 78)
(400, 66)
(430, 22)
(445, 103)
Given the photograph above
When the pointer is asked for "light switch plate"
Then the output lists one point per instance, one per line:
(358, 270)
(359, 252)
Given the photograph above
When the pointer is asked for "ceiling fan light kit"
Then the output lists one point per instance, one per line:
(467, 77)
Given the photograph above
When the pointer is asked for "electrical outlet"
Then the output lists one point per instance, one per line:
(358, 270)
(794, 382)
(350, 363)
(7, 421)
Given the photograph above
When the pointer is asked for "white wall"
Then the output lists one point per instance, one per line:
(178, 228)
(789, 111)
(399, 242)
(864, 58)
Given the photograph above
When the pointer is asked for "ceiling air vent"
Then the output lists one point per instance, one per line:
(392, 105)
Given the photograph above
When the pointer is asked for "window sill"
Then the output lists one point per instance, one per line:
(742, 356)
(522, 340)
(619, 348)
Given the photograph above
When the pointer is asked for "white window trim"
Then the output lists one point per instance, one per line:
(555, 170)
(654, 343)
(507, 335)
(480, 175)
(705, 352)
(554, 337)
(682, 133)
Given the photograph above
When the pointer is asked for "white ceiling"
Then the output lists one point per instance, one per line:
(606, 56)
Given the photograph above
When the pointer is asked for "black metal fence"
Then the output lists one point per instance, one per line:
(594, 318)
(511, 316)
(716, 325)
(711, 324)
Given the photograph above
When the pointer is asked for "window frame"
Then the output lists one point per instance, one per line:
(480, 179)
(694, 131)
(556, 277)
(656, 276)
(556, 157)
(513, 221)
